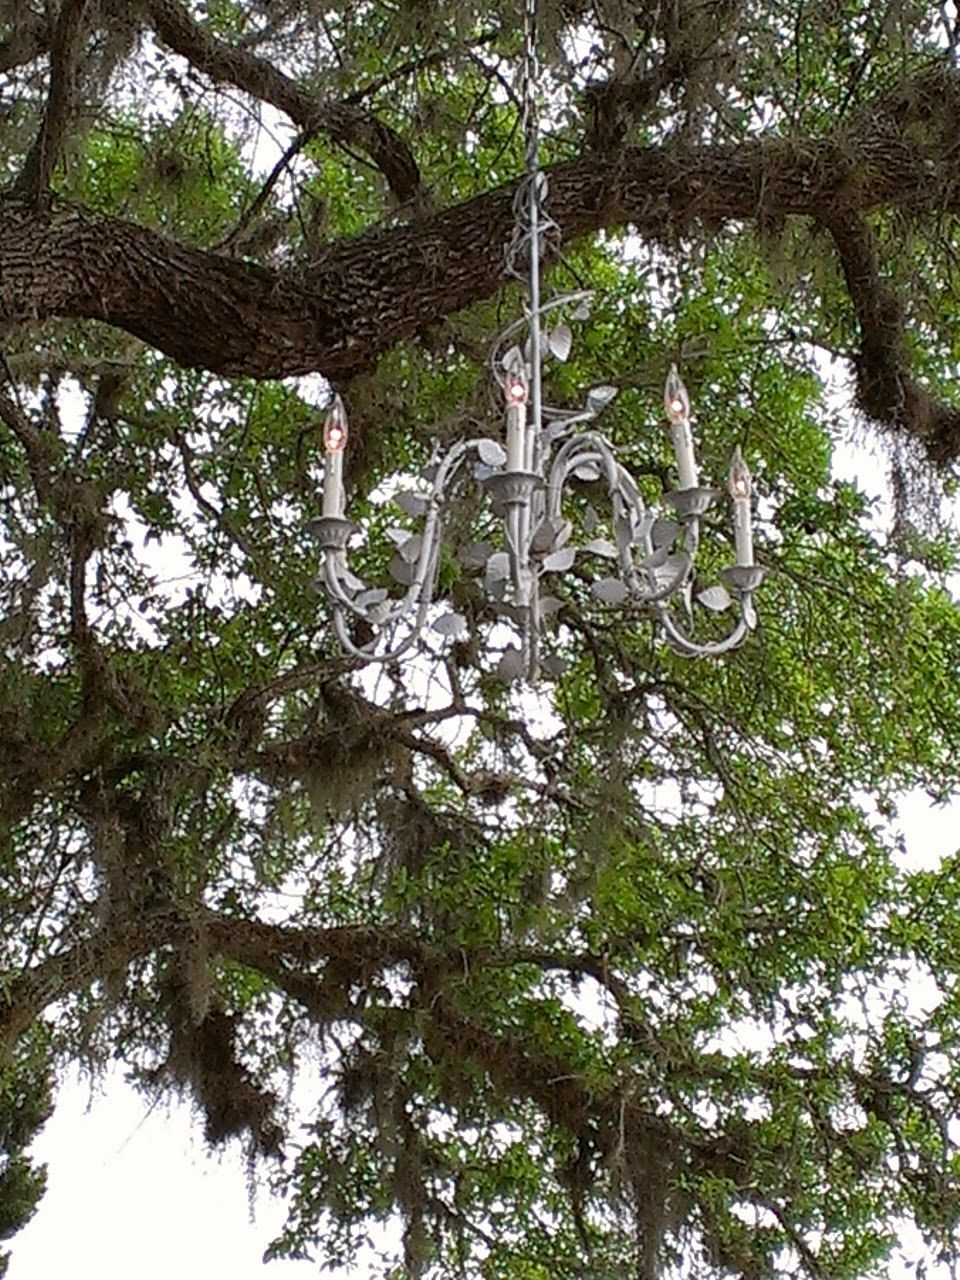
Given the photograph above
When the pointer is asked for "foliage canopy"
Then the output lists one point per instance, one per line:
(607, 978)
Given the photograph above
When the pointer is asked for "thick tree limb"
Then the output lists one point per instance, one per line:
(611, 1119)
(105, 952)
(364, 295)
(344, 123)
(885, 388)
(65, 47)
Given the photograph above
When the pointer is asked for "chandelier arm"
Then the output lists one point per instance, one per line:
(341, 597)
(419, 593)
(334, 565)
(584, 449)
(693, 648)
(563, 420)
(658, 594)
(367, 652)
(448, 468)
(629, 495)
(425, 584)
(592, 447)
(691, 535)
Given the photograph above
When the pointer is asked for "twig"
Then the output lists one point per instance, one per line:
(342, 122)
(262, 195)
(219, 517)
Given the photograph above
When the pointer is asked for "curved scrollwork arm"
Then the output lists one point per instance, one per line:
(653, 557)
(415, 564)
(506, 350)
(651, 571)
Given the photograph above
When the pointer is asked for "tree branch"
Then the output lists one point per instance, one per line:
(29, 39)
(885, 388)
(343, 123)
(236, 236)
(219, 517)
(364, 295)
(108, 950)
(43, 450)
(627, 96)
(65, 47)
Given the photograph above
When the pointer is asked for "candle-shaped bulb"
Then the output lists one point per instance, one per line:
(676, 399)
(335, 427)
(515, 387)
(740, 486)
(334, 441)
(742, 520)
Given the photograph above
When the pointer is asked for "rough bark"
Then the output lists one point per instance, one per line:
(28, 40)
(360, 297)
(885, 389)
(65, 47)
(364, 295)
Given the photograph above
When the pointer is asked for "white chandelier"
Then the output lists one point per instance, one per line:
(650, 559)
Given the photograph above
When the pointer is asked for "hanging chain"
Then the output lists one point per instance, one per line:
(524, 252)
(530, 90)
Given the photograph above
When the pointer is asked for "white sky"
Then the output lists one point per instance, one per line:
(132, 1192)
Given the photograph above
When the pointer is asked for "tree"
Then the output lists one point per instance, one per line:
(24, 1107)
(603, 978)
